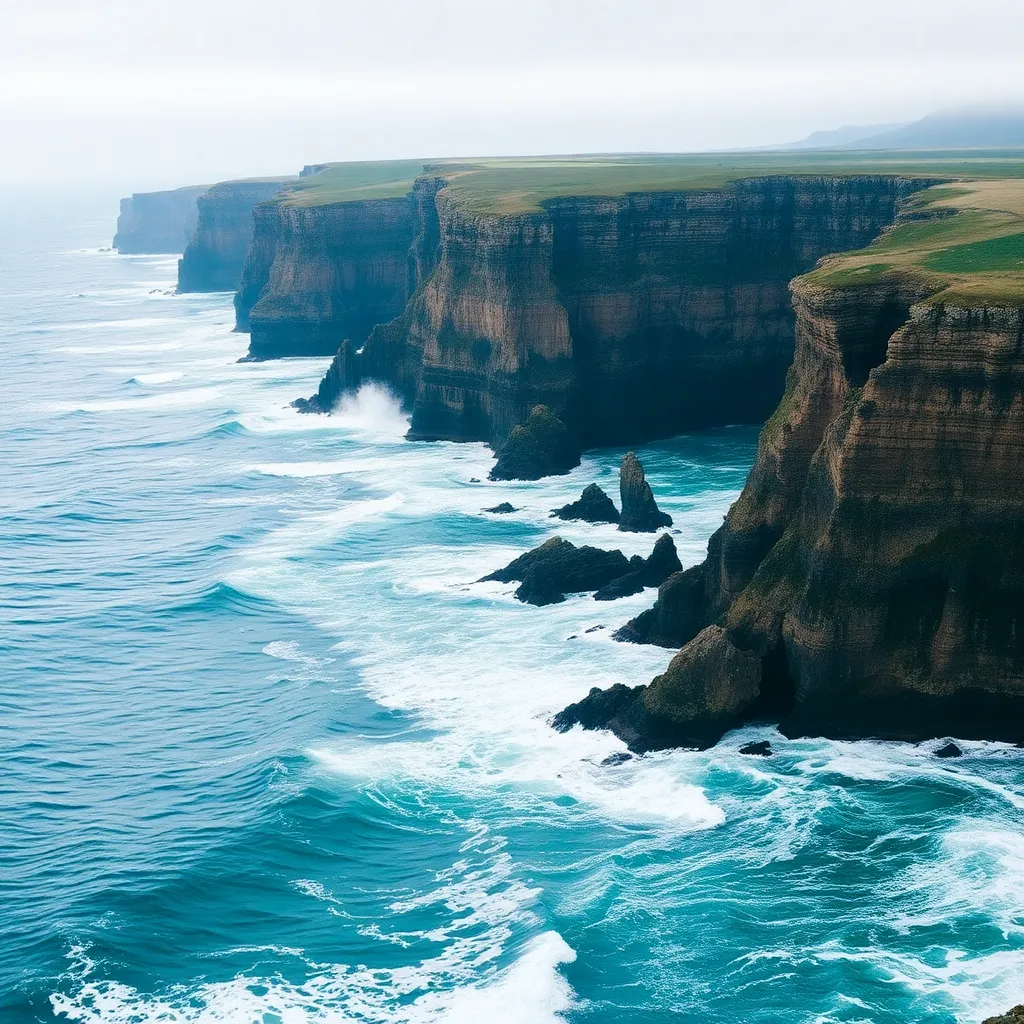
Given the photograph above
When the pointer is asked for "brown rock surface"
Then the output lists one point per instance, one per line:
(872, 571)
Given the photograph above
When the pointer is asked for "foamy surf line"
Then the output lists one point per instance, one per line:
(445, 990)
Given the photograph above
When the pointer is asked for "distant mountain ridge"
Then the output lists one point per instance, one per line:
(971, 128)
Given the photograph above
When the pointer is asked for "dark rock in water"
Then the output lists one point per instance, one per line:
(677, 616)
(949, 749)
(619, 757)
(572, 637)
(1015, 1016)
(542, 446)
(619, 708)
(474, 479)
(630, 583)
(760, 748)
(593, 629)
(556, 568)
(503, 509)
(709, 687)
(640, 512)
(661, 564)
(342, 375)
(592, 506)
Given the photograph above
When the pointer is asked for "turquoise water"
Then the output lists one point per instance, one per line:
(269, 755)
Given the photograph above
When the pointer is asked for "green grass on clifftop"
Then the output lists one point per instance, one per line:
(510, 186)
(347, 183)
(967, 250)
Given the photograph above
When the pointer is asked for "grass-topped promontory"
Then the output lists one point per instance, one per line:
(505, 185)
(351, 182)
(965, 245)
(514, 186)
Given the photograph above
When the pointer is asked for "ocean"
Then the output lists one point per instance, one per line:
(269, 754)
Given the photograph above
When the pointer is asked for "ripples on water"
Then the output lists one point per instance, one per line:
(269, 754)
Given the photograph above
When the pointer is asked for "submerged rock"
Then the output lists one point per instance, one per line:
(640, 512)
(619, 757)
(652, 572)
(556, 568)
(503, 509)
(949, 749)
(759, 748)
(592, 506)
(542, 446)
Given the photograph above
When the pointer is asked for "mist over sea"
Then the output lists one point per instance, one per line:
(268, 754)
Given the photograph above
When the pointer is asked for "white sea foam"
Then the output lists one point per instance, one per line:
(374, 409)
(154, 379)
(530, 991)
(172, 400)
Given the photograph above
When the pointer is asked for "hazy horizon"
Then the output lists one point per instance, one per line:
(140, 95)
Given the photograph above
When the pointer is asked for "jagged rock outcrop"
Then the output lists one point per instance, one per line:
(322, 274)
(216, 252)
(342, 375)
(542, 446)
(556, 568)
(640, 512)
(592, 506)
(503, 509)
(1014, 1016)
(662, 562)
(870, 579)
(157, 222)
(630, 317)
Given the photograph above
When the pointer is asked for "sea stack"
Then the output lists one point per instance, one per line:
(640, 512)
(592, 506)
(542, 446)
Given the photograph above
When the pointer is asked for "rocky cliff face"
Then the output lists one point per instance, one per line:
(870, 579)
(157, 221)
(216, 253)
(316, 276)
(630, 317)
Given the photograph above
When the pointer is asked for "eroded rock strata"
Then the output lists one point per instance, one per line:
(217, 250)
(870, 579)
(630, 317)
(317, 276)
(157, 222)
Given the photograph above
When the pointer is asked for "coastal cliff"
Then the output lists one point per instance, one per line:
(316, 276)
(870, 579)
(157, 222)
(216, 252)
(629, 317)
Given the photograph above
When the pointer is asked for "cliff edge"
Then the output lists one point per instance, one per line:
(158, 222)
(216, 252)
(869, 581)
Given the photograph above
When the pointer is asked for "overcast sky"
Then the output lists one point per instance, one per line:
(152, 94)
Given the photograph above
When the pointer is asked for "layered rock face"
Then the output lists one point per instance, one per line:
(320, 275)
(630, 318)
(677, 302)
(870, 579)
(157, 221)
(216, 253)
